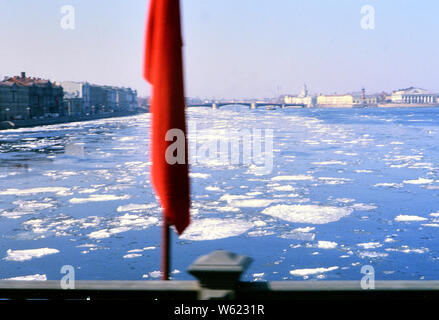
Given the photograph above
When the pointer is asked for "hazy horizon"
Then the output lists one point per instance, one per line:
(232, 49)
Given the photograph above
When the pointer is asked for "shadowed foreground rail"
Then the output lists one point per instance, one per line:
(218, 278)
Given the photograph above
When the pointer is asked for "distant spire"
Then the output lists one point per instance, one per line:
(304, 92)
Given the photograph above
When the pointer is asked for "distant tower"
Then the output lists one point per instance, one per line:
(363, 96)
(304, 92)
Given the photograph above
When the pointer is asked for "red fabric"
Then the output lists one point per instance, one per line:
(164, 70)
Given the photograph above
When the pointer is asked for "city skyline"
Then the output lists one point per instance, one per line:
(232, 50)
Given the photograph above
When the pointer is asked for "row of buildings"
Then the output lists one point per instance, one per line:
(403, 97)
(23, 97)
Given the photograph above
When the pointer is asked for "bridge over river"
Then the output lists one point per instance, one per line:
(251, 105)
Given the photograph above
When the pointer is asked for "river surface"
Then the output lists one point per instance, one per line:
(336, 190)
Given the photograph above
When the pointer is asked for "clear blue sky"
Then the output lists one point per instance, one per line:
(233, 48)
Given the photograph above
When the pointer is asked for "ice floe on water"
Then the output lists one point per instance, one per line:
(229, 198)
(213, 188)
(199, 175)
(363, 207)
(132, 255)
(313, 271)
(313, 214)
(388, 184)
(409, 218)
(31, 277)
(300, 177)
(122, 224)
(372, 255)
(363, 171)
(332, 180)
(418, 181)
(23, 255)
(99, 198)
(60, 191)
(134, 207)
(227, 209)
(26, 207)
(284, 188)
(406, 249)
(251, 203)
(212, 229)
(370, 245)
(303, 234)
(326, 244)
(330, 162)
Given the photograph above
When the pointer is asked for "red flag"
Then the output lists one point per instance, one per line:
(164, 70)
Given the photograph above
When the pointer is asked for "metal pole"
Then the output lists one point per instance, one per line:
(166, 248)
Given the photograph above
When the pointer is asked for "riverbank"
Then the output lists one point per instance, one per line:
(16, 124)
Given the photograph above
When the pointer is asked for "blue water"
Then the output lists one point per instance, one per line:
(348, 188)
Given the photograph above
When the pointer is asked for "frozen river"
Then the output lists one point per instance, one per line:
(345, 188)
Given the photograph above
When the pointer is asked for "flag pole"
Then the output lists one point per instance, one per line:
(166, 249)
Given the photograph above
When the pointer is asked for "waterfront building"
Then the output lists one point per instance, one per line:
(414, 95)
(77, 97)
(307, 101)
(335, 100)
(85, 98)
(361, 99)
(110, 103)
(126, 99)
(14, 101)
(23, 97)
(302, 99)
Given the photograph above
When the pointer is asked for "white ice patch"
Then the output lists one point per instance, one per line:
(331, 162)
(345, 200)
(231, 198)
(331, 180)
(370, 245)
(60, 191)
(284, 188)
(28, 207)
(87, 190)
(132, 255)
(23, 255)
(434, 225)
(133, 207)
(122, 224)
(388, 184)
(292, 178)
(32, 277)
(372, 254)
(99, 198)
(212, 229)
(418, 181)
(363, 207)
(313, 214)
(227, 209)
(308, 272)
(251, 203)
(213, 188)
(409, 218)
(406, 249)
(199, 175)
(326, 245)
(303, 234)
